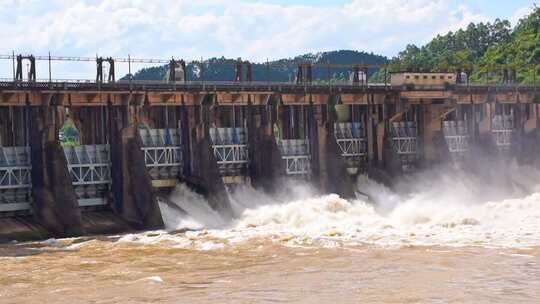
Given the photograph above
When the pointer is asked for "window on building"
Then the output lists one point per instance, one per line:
(442, 77)
(416, 77)
(425, 76)
(408, 77)
(433, 77)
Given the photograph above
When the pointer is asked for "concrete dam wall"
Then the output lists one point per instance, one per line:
(132, 147)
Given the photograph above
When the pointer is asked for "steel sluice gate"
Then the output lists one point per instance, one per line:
(293, 141)
(296, 155)
(15, 179)
(351, 139)
(90, 170)
(503, 130)
(456, 135)
(404, 141)
(231, 151)
(162, 150)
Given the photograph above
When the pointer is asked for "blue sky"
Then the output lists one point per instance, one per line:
(253, 30)
(496, 8)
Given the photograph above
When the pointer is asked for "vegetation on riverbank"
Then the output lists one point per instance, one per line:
(488, 51)
(492, 51)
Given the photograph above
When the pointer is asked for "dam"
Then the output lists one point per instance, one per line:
(138, 140)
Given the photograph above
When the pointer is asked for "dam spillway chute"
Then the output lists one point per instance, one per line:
(404, 141)
(162, 149)
(294, 142)
(503, 129)
(404, 137)
(85, 145)
(296, 156)
(15, 179)
(90, 170)
(456, 135)
(350, 133)
(351, 139)
(16, 196)
(230, 148)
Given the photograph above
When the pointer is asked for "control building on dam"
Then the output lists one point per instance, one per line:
(138, 140)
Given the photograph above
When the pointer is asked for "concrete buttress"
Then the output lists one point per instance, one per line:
(56, 205)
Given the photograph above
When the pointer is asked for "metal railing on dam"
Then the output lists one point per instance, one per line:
(338, 87)
(263, 86)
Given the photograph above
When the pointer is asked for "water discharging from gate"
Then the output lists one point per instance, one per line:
(431, 208)
(450, 237)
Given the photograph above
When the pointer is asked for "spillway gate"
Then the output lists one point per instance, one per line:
(296, 155)
(351, 139)
(90, 170)
(404, 140)
(231, 151)
(15, 179)
(162, 150)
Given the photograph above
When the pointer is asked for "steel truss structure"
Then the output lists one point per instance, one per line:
(15, 179)
(352, 147)
(456, 135)
(231, 154)
(404, 137)
(404, 145)
(296, 154)
(162, 152)
(231, 151)
(351, 140)
(404, 140)
(90, 170)
(503, 138)
(457, 143)
(503, 130)
(297, 164)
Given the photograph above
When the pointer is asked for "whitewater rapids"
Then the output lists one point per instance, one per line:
(453, 217)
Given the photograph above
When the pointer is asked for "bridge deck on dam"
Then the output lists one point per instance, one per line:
(257, 93)
(259, 86)
(190, 86)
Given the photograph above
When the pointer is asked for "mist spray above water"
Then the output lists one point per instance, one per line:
(443, 206)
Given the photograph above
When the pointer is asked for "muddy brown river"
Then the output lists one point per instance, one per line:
(108, 271)
(431, 247)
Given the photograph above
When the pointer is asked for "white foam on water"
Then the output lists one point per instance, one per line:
(156, 279)
(446, 210)
(52, 243)
(198, 213)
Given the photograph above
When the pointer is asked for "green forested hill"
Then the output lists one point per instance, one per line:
(461, 48)
(223, 69)
(521, 51)
(484, 49)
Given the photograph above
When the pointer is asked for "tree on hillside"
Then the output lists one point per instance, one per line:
(283, 70)
(455, 50)
(519, 55)
(489, 51)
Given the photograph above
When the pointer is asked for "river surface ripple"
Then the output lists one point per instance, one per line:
(108, 270)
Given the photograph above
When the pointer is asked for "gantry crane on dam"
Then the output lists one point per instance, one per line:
(138, 139)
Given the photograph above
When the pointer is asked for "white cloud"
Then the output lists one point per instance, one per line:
(520, 13)
(235, 28)
(458, 19)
